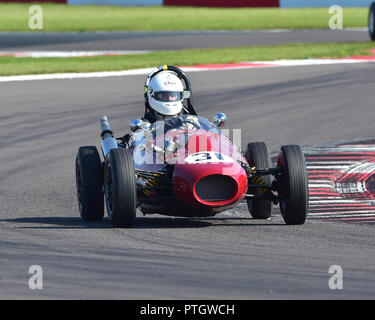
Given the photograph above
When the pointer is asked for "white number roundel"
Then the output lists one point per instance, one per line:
(208, 156)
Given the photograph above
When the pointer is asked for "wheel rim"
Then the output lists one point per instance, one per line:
(281, 195)
(79, 186)
(109, 191)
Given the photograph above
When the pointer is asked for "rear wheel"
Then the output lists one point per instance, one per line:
(89, 183)
(371, 21)
(293, 193)
(258, 156)
(120, 188)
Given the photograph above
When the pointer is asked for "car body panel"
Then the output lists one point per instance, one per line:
(199, 151)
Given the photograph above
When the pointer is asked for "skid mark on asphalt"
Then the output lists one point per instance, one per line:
(342, 181)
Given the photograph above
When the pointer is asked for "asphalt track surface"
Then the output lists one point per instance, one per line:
(170, 40)
(229, 256)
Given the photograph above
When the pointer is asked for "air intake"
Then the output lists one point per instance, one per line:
(215, 188)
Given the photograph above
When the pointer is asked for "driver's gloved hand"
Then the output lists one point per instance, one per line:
(125, 138)
(170, 147)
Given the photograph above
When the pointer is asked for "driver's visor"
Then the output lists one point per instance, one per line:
(168, 96)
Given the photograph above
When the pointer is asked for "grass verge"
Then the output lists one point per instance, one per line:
(59, 17)
(18, 66)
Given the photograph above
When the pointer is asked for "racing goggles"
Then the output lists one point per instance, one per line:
(168, 96)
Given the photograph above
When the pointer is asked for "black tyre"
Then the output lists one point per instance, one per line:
(294, 192)
(89, 183)
(371, 21)
(258, 156)
(120, 188)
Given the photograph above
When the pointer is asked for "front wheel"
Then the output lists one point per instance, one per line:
(89, 183)
(257, 156)
(293, 192)
(120, 188)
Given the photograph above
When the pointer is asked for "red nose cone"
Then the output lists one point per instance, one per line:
(209, 184)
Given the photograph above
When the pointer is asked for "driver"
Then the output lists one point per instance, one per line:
(163, 97)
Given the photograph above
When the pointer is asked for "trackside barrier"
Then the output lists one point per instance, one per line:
(39, 1)
(130, 3)
(323, 3)
(98, 2)
(214, 3)
(223, 3)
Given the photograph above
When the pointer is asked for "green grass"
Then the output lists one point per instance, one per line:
(58, 17)
(16, 66)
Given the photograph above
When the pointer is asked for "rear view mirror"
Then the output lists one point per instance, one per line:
(136, 124)
(219, 119)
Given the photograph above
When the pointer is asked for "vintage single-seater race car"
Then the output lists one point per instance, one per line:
(184, 166)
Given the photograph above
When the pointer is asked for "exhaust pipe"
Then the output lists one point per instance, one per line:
(108, 142)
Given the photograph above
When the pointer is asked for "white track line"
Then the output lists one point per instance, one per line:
(247, 65)
(343, 215)
(69, 54)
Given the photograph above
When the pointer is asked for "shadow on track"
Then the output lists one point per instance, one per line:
(140, 223)
(78, 223)
(57, 223)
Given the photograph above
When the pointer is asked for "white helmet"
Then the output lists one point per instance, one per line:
(165, 93)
